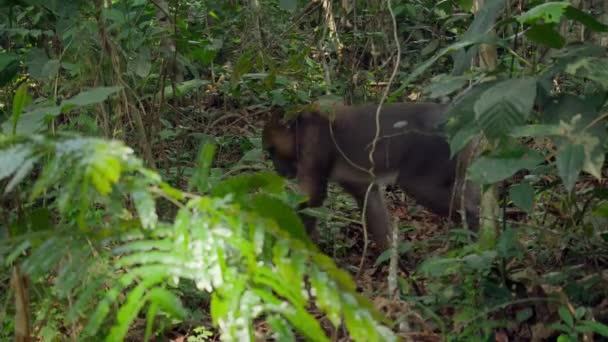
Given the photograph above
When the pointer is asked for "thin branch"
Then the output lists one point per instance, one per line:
(377, 135)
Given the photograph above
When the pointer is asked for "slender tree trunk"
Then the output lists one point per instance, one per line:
(489, 227)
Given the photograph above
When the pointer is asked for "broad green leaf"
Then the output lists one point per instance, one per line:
(142, 65)
(20, 100)
(50, 69)
(549, 12)
(9, 68)
(288, 5)
(508, 245)
(35, 61)
(522, 196)
(494, 168)
(566, 316)
(601, 210)
(547, 35)
(505, 105)
(574, 115)
(285, 217)
(33, 120)
(590, 22)
(462, 138)
(444, 85)
(92, 96)
(569, 162)
(281, 328)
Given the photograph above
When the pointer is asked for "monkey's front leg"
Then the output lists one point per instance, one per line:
(315, 189)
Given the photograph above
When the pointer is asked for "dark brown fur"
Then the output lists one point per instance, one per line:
(411, 153)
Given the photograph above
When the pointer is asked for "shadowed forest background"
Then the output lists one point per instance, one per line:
(137, 202)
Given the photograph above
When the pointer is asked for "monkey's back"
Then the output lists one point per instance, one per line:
(404, 129)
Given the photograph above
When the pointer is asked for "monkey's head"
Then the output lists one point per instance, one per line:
(279, 141)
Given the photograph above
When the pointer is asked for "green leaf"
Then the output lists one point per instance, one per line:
(92, 96)
(539, 130)
(601, 210)
(597, 327)
(523, 196)
(547, 35)
(593, 68)
(200, 179)
(590, 22)
(480, 262)
(168, 302)
(505, 105)
(142, 65)
(462, 138)
(20, 100)
(508, 245)
(549, 12)
(33, 120)
(35, 60)
(436, 267)
(285, 217)
(403, 248)
(288, 5)
(444, 85)
(566, 316)
(146, 208)
(478, 31)
(9, 68)
(244, 184)
(569, 162)
(183, 88)
(491, 169)
(466, 5)
(430, 48)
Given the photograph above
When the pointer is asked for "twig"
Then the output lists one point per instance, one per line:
(376, 137)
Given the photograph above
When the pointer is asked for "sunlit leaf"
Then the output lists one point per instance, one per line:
(146, 208)
(549, 12)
